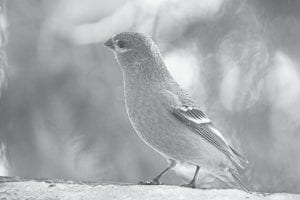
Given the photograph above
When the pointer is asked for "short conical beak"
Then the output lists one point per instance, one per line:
(109, 43)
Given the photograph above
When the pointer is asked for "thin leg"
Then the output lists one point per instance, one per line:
(192, 184)
(155, 181)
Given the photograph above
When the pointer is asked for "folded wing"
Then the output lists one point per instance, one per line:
(196, 120)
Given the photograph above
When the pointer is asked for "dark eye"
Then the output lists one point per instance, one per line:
(120, 43)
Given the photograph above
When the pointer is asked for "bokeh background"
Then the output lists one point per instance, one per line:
(62, 111)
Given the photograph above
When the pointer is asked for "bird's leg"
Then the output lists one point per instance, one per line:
(192, 184)
(155, 181)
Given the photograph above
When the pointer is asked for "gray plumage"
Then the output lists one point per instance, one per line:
(163, 115)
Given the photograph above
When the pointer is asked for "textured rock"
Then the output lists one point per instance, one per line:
(16, 188)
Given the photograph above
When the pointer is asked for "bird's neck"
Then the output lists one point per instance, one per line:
(148, 71)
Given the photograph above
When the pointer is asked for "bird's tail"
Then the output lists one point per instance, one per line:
(237, 158)
(234, 173)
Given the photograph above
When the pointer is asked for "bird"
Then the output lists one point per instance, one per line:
(166, 117)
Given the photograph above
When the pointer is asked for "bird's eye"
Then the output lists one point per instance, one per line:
(120, 43)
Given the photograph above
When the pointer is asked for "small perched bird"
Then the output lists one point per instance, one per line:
(165, 117)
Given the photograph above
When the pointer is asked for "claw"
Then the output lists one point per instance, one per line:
(189, 185)
(153, 182)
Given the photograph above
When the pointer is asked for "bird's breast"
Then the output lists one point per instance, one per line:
(149, 115)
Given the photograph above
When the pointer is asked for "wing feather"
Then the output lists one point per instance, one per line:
(195, 119)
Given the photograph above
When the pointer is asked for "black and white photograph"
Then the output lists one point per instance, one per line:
(150, 99)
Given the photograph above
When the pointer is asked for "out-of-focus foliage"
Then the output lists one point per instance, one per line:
(3, 81)
(62, 114)
(3, 38)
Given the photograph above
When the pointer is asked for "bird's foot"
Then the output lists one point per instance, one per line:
(189, 185)
(153, 182)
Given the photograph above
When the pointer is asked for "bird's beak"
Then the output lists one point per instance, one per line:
(110, 44)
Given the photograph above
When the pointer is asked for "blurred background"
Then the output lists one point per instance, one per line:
(62, 111)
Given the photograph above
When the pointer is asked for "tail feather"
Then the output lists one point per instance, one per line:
(238, 158)
(239, 180)
(241, 158)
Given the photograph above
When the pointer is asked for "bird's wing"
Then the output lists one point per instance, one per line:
(196, 120)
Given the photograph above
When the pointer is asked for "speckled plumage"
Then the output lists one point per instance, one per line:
(163, 115)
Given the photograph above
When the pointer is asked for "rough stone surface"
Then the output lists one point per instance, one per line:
(41, 189)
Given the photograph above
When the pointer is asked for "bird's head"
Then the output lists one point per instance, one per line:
(133, 50)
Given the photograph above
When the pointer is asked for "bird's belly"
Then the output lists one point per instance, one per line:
(173, 139)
